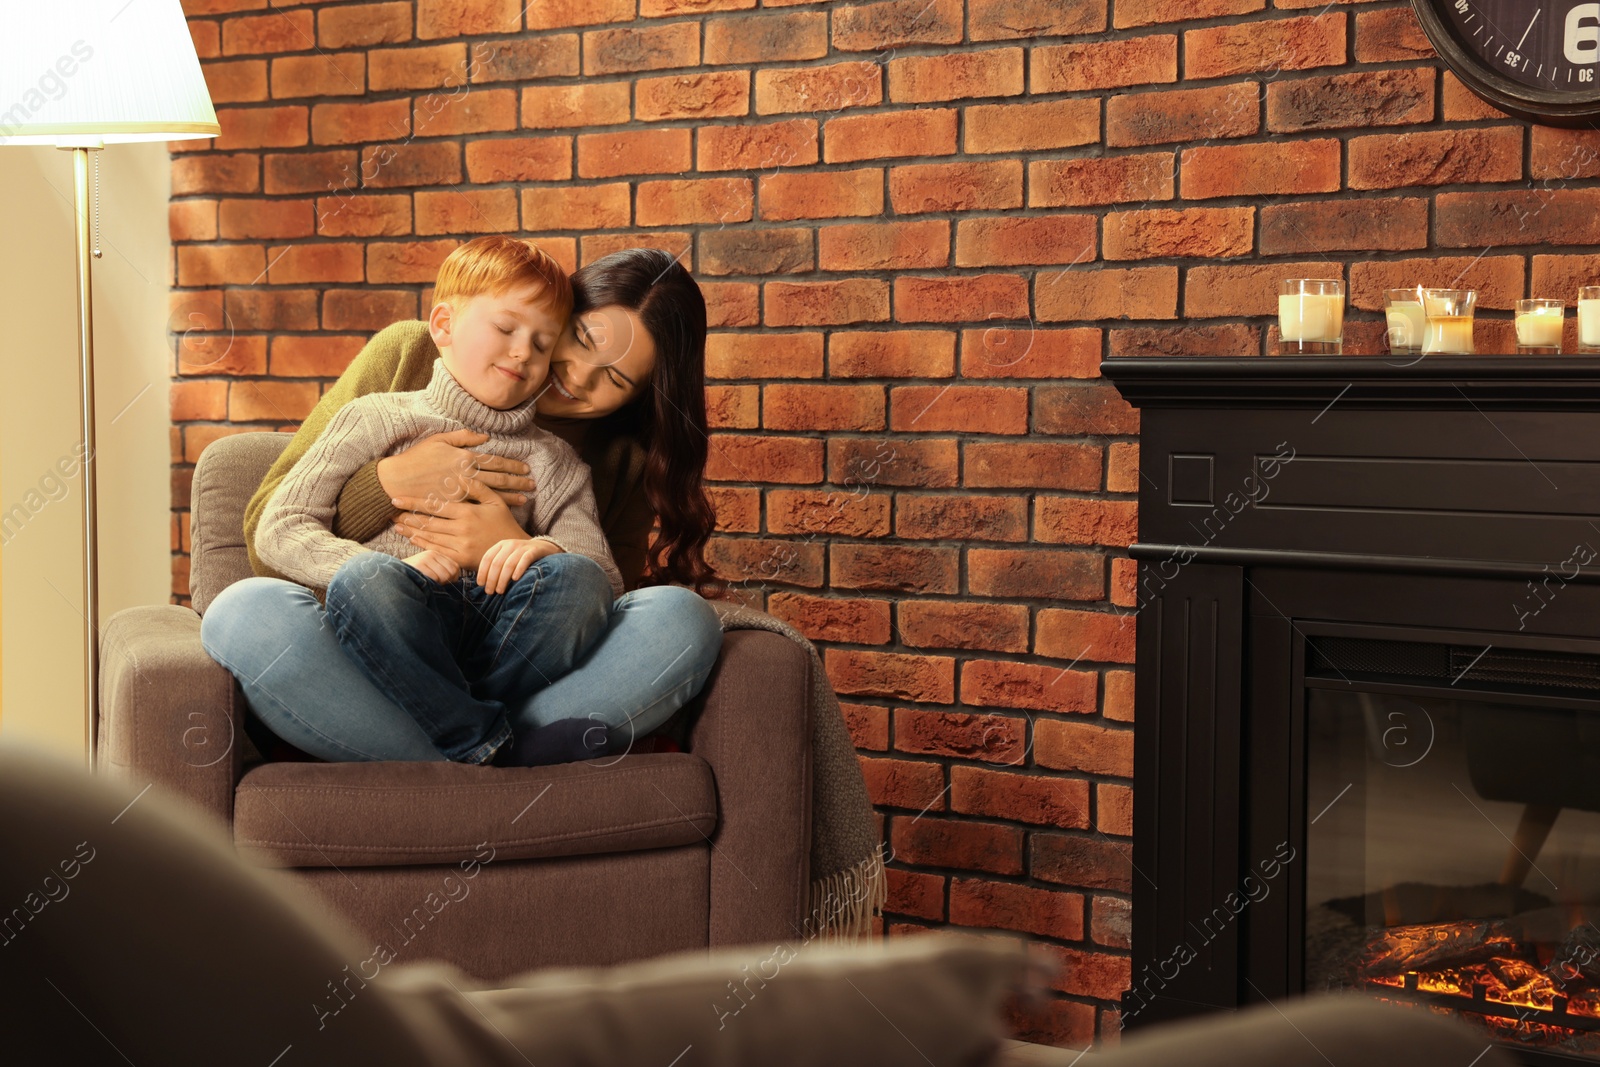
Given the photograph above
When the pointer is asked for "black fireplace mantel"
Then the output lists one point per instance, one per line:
(1453, 500)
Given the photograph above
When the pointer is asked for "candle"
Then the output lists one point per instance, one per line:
(1406, 322)
(1311, 316)
(1539, 323)
(1448, 335)
(1589, 323)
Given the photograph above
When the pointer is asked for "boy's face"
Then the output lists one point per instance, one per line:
(498, 347)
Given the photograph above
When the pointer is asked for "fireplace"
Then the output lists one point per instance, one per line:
(1367, 723)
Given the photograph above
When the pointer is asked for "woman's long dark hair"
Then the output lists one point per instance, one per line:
(669, 418)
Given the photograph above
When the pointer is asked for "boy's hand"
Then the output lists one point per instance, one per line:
(435, 564)
(508, 560)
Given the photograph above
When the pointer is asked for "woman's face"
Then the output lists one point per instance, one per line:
(602, 360)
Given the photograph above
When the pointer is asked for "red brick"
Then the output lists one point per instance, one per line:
(1223, 339)
(1560, 276)
(1196, 232)
(996, 905)
(851, 620)
(398, 262)
(455, 18)
(884, 246)
(678, 242)
(1019, 241)
(190, 401)
(1029, 573)
(418, 68)
(1517, 217)
(1124, 594)
(828, 511)
(757, 252)
(897, 675)
(823, 407)
(1004, 20)
(915, 893)
(1111, 921)
(731, 303)
(898, 783)
(281, 31)
(1062, 802)
(483, 111)
(733, 407)
(229, 353)
(584, 104)
(1029, 352)
(1074, 68)
(827, 303)
(923, 132)
(961, 518)
(1460, 104)
(217, 173)
(578, 207)
(1032, 464)
(817, 89)
(1032, 127)
(877, 27)
(1370, 98)
(964, 624)
(220, 264)
(973, 846)
(1095, 636)
(1008, 684)
(194, 310)
(1275, 45)
(466, 211)
(956, 76)
(1085, 862)
(962, 735)
(822, 195)
(277, 309)
(1389, 224)
(524, 59)
(1078, 521)
(1248, 289)
(757, 560)
(675, 44)
(1499, 280)
(961, 299)
(867, 723)
(261, 127)
(608, 155)
(1089, 974)
(396, 166)
(366, 309)
(1086, 295)
(555, 14)
(1083, 409)
(1563, 154)
(520, 159)
(1114, 809)
(713, 94)
(1122, 467)
(943, 187)
(767, 38)
(359, 25)
(901, 354)
(195, 220)
(1113, 180)
(901, 569)
(1436, 157)
(694, 200)
(349, 123)
(241, 81)
(1391, 36)
(1083, 746)
(1131, 13)
(1261, 169)
(315, 263)
(764, 355)
(363, 216)
(959, 409)
(1183, 115)
(777, 144)
(929, 462)
(271, 401)
(748, 458)
(312, 357)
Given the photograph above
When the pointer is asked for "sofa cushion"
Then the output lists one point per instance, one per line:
(390, 813)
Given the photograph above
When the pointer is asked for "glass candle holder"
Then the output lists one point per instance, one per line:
(1589, 319)
(1403, 310)
(1539, 324)
(1448, 321)
(1311, 317)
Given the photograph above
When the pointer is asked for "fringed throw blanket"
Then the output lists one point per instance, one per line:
(848, 886)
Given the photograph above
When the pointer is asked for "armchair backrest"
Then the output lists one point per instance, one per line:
(227, 475)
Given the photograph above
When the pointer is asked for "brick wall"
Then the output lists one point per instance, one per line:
(919, 226)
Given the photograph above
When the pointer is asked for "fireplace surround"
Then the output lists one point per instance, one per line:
(1367, 722)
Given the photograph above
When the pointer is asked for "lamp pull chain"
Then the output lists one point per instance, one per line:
(97, 253)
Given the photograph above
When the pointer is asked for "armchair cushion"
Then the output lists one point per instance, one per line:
(227, 475)
(391, 814)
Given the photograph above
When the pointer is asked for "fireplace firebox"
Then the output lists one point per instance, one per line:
(1367, 722)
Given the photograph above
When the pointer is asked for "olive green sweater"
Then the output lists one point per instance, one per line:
(400, 359)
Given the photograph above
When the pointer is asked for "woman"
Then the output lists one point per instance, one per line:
(627, 389)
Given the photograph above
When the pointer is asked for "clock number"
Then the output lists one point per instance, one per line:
(1583, 36)
(1462, 6)
(1512, 59)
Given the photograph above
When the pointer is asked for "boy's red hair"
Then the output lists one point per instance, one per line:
(495, 263)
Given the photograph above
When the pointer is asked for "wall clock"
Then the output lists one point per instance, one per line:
(1537, 61)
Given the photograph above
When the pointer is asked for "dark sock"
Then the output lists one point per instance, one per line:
(563, 741)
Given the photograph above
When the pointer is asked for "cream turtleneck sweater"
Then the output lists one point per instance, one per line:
(295, 535)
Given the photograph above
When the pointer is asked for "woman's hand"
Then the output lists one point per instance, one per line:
(464, 529)
(436, 565)
(508, 560)
(438, 467)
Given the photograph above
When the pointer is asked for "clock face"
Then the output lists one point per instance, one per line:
(1538, 60)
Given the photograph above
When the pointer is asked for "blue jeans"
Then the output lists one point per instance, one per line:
(654, 657)
(453, 655)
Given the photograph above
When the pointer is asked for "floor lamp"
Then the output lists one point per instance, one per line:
(80, 76)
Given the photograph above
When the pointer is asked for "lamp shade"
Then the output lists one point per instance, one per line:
(109, 70)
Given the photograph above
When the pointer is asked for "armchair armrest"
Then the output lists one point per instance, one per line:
(168, 713)
(755, 731)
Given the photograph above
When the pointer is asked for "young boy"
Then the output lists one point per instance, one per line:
(451, 652)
